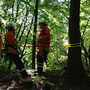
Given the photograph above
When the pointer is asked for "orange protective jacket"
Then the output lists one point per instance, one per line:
(10, 42)
(43, 42)
(0, 44)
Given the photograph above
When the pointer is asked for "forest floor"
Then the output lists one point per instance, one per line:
(51, 80)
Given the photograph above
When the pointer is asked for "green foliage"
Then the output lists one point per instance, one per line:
(84, 26)
(56, 14)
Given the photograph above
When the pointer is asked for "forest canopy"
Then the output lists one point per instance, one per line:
(56, 14)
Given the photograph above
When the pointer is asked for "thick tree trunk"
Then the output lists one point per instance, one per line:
(74, 65)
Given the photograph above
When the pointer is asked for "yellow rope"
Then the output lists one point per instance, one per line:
(73, 45)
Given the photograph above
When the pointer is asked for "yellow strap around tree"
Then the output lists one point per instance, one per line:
(73, 45)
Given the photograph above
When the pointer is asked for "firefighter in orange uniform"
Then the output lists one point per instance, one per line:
(43, 45)
(11, 50)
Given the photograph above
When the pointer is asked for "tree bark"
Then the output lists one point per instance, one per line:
(34, 36)
(74, 66)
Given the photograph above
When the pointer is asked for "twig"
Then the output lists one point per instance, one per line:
(85, 27)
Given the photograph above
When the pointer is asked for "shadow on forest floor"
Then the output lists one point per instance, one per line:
(51, 80)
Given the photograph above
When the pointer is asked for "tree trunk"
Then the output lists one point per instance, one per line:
(74, 65)
(34, 36)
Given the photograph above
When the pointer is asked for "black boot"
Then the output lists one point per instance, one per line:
(24, 74)
(40, 71)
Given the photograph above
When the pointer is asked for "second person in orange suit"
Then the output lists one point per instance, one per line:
(43, 45)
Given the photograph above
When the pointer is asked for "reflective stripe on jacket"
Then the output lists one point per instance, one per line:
(10, 43)
(43, 42)
(11, 50)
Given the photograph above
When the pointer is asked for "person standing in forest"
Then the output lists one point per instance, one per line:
(11, 50)
(43, 45)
